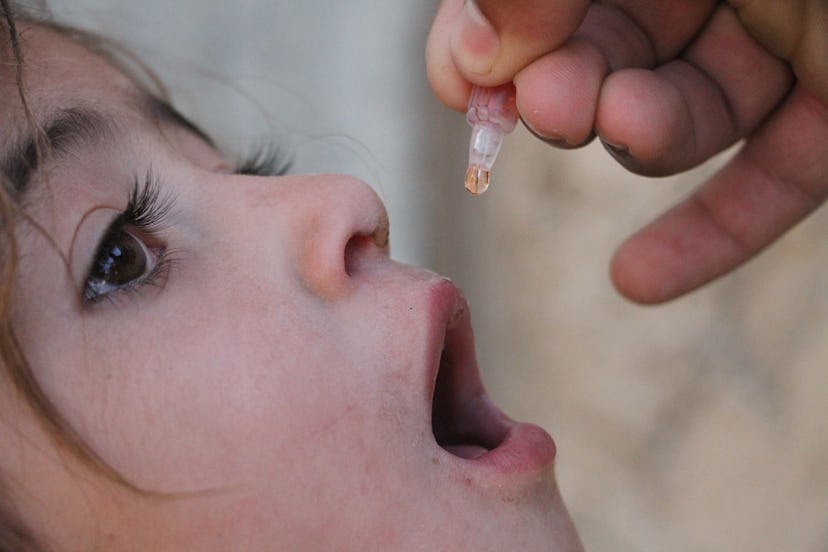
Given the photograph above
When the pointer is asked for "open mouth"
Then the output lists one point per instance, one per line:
(464, 420)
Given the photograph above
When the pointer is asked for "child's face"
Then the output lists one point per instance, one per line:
(248, 347)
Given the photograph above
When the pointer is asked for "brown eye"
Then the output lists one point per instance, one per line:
(122, 259)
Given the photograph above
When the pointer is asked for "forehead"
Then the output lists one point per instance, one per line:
(77, 98)
(58, 72)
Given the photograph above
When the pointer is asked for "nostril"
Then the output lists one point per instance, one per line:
(362, 249)
(371, 244)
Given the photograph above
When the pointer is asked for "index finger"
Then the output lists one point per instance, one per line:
(486, 42)
(776, 180)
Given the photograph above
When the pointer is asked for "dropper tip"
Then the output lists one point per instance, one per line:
(477, 180)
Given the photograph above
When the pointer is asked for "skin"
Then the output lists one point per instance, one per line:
(665, 85)
(271, 394)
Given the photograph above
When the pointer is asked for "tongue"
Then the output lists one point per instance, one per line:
(469, 452)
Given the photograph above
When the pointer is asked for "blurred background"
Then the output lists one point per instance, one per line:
(694, 426)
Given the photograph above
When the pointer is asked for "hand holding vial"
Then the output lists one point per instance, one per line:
(664, 90)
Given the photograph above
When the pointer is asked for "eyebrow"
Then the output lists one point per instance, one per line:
(64, 131)
(71, 128)
(164, 112)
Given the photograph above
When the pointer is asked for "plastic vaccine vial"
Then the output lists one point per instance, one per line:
(492, 114)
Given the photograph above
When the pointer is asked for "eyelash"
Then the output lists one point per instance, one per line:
(145, 215)
(267, 159)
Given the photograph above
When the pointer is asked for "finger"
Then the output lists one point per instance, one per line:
(558, 93)
(489, 41)
(795, 30)
(669, 24)
(668, 120)
(779, 177)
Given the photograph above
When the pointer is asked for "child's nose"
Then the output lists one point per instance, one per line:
(340, 227)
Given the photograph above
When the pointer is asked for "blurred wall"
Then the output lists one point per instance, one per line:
(698, 425)
(694, 426)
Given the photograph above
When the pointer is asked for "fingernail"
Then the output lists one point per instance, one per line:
(549, 137)
(622, 154)
(475, 44)
(619, 151)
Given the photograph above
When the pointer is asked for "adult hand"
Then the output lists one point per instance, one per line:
(665, 84)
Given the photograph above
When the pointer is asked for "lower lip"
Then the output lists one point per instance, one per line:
(527, 449)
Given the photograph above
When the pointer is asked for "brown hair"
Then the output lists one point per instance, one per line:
(13, 533)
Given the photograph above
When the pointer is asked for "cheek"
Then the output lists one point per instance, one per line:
(213, 403)
(259, 390)
(188, 399)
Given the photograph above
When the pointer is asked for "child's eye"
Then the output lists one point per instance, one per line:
(130, 255)
(122, 262)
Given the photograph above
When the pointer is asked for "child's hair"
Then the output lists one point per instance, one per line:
(13, 533)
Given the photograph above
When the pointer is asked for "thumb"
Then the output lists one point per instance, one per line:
(494, 39)
(486, 42)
